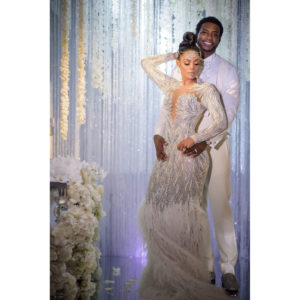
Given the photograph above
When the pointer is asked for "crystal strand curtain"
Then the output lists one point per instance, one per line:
(121, 117)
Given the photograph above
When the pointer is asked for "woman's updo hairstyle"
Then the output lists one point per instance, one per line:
(188, 43)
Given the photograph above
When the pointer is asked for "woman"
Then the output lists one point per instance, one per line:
(173, 223)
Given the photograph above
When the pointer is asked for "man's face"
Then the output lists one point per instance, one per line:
(209, 38)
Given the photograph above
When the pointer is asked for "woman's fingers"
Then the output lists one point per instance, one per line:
(185, 144)
(180, 146)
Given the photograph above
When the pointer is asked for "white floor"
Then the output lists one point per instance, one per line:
(131, 269)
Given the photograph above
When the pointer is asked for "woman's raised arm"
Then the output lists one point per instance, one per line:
(164, 81)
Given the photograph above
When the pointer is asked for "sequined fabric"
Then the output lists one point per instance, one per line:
(172, 221)
(177, 179)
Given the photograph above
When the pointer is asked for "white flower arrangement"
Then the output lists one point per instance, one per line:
(65, 169)
(70, 170)
(97, 77)
(64, 69)
(81, 90)
(75, 269)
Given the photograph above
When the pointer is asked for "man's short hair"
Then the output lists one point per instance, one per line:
(209, 20)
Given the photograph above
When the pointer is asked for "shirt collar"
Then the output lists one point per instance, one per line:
(210, 59)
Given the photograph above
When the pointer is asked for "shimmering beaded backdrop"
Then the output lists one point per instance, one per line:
(122, 111)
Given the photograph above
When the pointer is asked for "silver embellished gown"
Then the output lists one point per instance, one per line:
(171, 218)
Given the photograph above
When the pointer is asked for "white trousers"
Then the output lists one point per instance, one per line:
(218, 191)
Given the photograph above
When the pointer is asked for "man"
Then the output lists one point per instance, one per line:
(225, 77)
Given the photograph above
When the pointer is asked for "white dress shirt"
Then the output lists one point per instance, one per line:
(225, 77)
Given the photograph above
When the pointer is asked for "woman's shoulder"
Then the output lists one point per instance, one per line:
(173, 86)
(204, 85)
(201, 87)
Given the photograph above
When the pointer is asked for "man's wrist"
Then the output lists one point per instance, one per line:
(204, 143)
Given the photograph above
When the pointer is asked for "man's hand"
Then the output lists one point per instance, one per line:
(195, 150)
(159, 143)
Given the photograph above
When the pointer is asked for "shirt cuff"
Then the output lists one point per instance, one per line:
(217, 140)
(194, 138)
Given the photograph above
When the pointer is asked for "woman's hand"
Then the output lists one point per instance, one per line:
(196, 150)
(187, 143)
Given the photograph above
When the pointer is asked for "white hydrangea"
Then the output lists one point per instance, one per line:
(73, 254)
(65, 169)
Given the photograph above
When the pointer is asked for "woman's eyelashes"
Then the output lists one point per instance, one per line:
(189, 64)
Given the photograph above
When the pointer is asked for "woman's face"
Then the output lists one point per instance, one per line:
(190, 64)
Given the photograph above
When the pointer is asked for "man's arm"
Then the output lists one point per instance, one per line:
(231, 98)
(231, 95)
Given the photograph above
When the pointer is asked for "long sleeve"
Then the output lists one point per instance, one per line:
(164, 81)
(210, 98)
(230, 93)
(176, 73)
